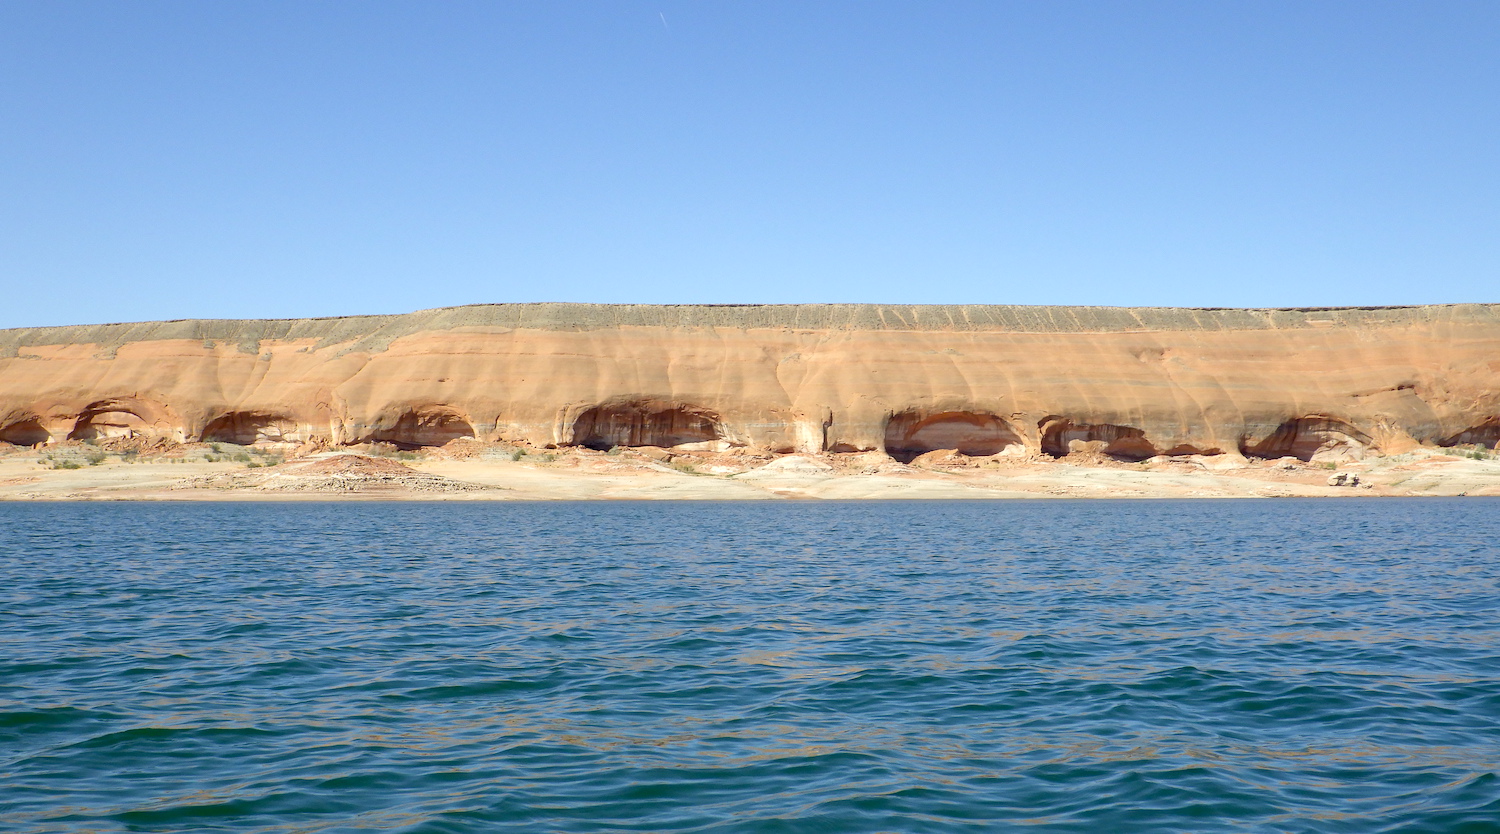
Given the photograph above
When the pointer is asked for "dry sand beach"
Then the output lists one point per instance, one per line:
(466, 470)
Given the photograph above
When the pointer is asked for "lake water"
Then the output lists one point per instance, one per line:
(1067, 666)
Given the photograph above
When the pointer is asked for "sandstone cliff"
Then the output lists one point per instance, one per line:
(1127, 382)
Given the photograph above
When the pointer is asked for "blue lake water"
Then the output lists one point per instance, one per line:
(1068, 666)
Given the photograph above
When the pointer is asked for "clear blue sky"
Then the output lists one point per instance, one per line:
(269, 159)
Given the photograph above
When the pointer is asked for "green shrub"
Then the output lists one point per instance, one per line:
(241, 458)
(94, 458)
(518, 454)
(67, 464)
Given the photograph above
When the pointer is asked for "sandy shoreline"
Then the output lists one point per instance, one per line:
(488, 472)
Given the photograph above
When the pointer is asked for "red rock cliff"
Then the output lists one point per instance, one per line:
(983, 379)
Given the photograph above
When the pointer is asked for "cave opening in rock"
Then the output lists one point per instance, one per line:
(977, 434)
(1486, 434)
(109, 419)
(1061, 437)
(246, 428)
(1184, 449)
(646, 424)
(25, 433)
(422, 427)
(1312, 436)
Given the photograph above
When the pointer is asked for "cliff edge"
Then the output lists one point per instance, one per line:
(1129, 383)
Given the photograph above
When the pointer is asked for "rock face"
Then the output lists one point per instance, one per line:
(982, 380)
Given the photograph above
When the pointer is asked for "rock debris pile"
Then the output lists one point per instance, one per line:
(337, 473)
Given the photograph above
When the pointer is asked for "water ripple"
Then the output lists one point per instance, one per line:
(1154, 666)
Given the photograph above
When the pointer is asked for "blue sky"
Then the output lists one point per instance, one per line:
(266, 159)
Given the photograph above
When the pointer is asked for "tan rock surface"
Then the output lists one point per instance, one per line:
(992, 382)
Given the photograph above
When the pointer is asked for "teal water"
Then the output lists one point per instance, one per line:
(1058, 666)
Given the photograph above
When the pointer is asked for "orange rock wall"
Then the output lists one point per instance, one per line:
(1185, 378)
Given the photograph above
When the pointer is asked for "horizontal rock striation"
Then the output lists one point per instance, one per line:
(1011, 380)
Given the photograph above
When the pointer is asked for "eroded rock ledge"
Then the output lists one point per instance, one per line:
(1126, 383)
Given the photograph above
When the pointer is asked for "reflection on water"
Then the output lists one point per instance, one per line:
(1118, 666)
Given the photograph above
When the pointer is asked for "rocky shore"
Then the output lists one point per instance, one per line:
(475, 470)
(767, 400)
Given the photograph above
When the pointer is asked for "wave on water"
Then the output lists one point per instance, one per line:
(1153, 666)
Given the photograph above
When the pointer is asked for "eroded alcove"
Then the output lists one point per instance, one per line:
(1124, 442)
(645, 423)
(1189, 449)
(1486, 434)
(245, 428)
(27, 432)
(1315, 435)
(109, 419)
(415, 428)
(913, 433)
